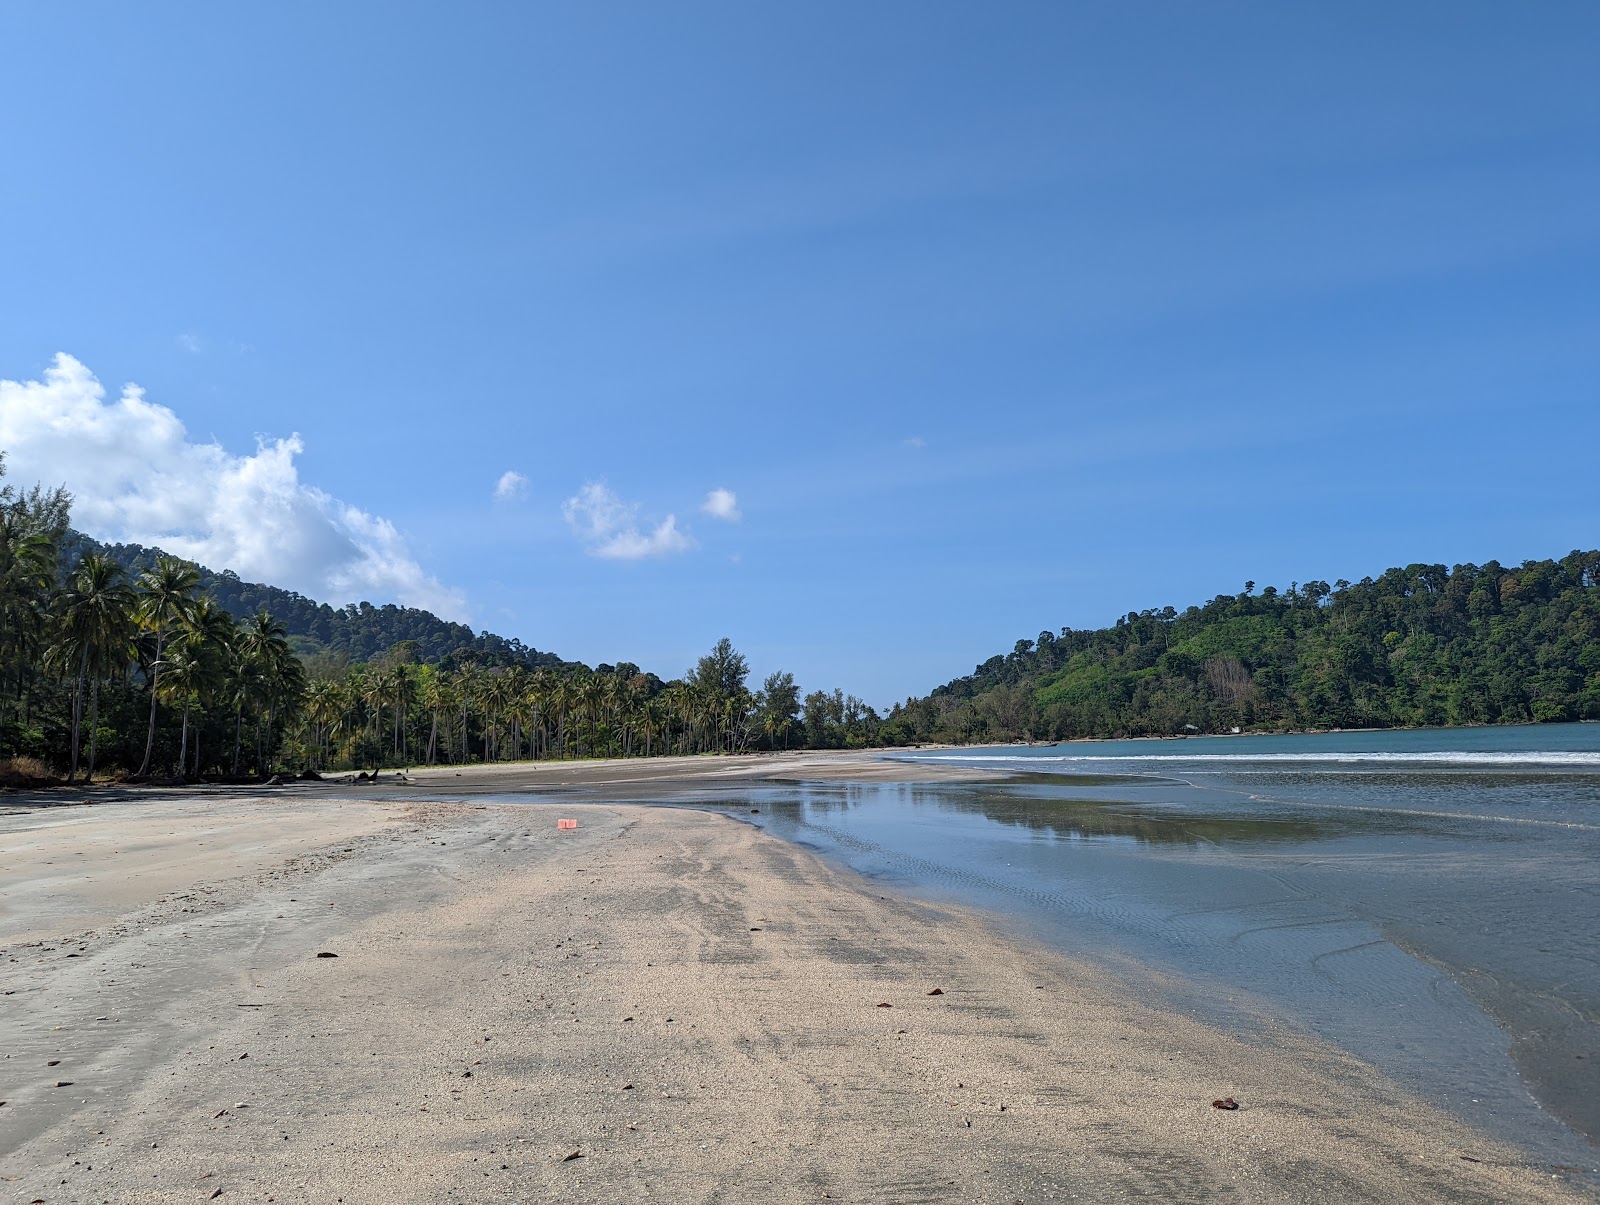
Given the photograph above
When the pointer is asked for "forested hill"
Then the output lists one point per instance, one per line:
(354, 633)
(1423, 645)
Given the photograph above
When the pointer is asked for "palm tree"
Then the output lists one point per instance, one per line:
(591, 707)
(467, 680)
(208, 631)
(181, 677)
(281, 675)
(27, 567)
(539, 699)
(773, 723)
(244, 689)
(375, 688)
(347, 720)
(435, 696)
(95, 629)
(322, 710)
(652, 717)
(561, 699)
(167, 594)
(676, 704)
(405, 690)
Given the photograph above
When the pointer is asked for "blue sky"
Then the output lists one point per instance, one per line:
(989, 318)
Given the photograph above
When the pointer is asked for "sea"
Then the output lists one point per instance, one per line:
(1428, 900)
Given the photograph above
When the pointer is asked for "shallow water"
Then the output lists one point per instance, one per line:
(1430, 901)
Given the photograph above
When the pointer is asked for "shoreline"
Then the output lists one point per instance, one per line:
(472, 1031)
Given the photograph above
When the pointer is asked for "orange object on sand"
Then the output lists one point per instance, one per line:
(566, 824)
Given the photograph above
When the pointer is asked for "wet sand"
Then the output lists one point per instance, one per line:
(661, 1005)
(628, 776)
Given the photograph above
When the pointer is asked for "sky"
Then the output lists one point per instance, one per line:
(874, 337)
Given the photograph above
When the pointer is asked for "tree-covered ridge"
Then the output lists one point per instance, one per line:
(1423, 645)
(341, 635)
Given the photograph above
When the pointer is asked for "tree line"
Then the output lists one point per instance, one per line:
(122, 659)
(1424, 645)
(116, 658)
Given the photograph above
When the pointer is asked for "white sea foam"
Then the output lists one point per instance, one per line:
(1580, 758)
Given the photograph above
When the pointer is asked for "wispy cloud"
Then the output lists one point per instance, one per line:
(137, 478)
(512, 484)
(722, 504)
(190, 343)
(914, 441)
(610, 527)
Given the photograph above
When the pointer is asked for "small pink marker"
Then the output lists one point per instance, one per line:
(566, 824)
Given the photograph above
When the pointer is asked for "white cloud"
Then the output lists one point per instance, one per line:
(914, 441)
(512, 484)
(136, 478)
(722, 504)
(190, 343)
(610, 526)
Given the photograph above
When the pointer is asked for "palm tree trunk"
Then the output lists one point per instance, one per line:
(183, 743)
(155, 681)
(77, 713)
(94, 726)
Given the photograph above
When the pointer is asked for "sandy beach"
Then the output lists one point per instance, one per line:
(664, 1004)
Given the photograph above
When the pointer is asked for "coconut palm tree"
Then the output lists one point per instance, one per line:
(540, 700)
(282, 677)
(182, 675)
(95, 628)
(375, 686)
(207, 632)
(322, 711)
(245, 685)
(27, 570)
(404, 688)
(467, 686)
(166, 596)
(433, 691)
(561, 700)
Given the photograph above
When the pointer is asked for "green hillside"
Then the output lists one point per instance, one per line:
(329, 635)
(1423, 645)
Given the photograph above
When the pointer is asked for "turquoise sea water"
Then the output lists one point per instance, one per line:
(1430, 900)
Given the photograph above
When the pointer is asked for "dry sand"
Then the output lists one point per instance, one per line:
(662, 1005)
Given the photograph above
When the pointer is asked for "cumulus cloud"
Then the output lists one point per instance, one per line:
(512, 484)
(610, 527)
(722, 504)
(136, 478)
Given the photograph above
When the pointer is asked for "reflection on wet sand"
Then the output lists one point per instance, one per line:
(1385, 911)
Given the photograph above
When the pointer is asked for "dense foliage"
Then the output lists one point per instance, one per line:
(334, 636)
(1423, 645)
(120, 657)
